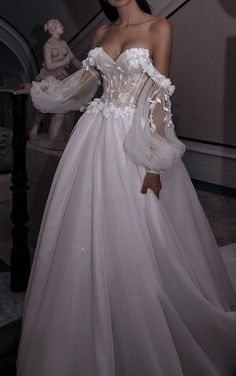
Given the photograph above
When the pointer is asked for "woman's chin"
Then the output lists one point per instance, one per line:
(119, 3)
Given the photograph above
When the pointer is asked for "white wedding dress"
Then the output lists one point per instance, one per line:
(124, 284)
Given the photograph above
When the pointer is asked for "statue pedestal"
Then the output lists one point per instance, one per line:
(41, 166)
(57, 137)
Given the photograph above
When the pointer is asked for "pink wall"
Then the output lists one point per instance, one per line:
(204, 70)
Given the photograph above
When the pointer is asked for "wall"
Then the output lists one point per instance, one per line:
(10, 63)
(204, 70)
(28, 17)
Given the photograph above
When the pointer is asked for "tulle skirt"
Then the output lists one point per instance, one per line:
(124, 284)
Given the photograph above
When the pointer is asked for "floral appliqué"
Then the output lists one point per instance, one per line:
(110, 109)
(136, 57)
(90, 61)
(139, 57)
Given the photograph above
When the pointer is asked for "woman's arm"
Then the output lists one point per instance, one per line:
(162, 46)
(162, 42)
(99, 35)
(161, 34)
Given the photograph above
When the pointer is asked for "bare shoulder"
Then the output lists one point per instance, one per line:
(161, 36)
(99, 33)
(161, 25)
(102, 29)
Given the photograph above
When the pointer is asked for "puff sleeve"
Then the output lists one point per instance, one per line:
(72, 93)
(151, 141)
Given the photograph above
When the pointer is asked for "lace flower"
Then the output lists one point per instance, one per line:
(90, 61)
(109, 109)
(136, 56)
(152, 72)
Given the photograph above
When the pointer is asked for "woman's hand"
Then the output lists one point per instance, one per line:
(153, 182)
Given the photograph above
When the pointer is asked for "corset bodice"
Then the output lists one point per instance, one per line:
(122, 79)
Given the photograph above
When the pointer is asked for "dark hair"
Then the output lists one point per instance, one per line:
(112, 13)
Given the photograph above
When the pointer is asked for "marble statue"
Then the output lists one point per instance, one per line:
(57, 57)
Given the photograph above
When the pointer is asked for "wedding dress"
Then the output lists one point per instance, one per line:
(124, 283)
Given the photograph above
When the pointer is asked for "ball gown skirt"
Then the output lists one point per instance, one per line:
(124, 283)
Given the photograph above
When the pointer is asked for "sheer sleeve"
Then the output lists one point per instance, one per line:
(151, 141)
(72, 93)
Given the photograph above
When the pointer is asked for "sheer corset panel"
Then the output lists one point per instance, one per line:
(121, 84)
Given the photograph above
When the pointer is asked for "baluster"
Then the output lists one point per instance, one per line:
(20, 253)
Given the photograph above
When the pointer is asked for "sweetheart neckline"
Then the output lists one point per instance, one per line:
(123, 52)
(134, 48)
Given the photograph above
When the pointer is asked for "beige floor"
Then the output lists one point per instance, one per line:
(221, 213)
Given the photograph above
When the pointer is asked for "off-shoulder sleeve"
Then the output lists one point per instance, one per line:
(72, 93)
(151, 141)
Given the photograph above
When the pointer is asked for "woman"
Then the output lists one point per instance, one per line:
(127, 278)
